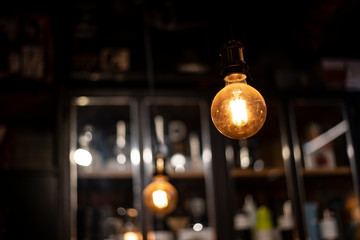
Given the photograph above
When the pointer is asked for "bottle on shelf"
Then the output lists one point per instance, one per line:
(119, 153)
(198, 227)
(177, 132)
(328, 226)
(242, 226)
(87, 156)
(198, 213)
(131, 228)
(251, 209)
(195, 152)
(246, 160)
(161, 230)
(286, 222)
(312, 222)
(264, 228)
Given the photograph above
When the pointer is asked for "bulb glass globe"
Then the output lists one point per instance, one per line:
(238, 110)
(160, 197)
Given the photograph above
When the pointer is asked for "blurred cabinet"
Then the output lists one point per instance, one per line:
(113, 144)
(303, 163)
(299, 169)
(178, 128)
(28, 120)
(104, 152)
(260, 180)
(326, 166)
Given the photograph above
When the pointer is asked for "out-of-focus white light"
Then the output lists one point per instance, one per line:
(198, 227)
(135, 157)
(177, 160)
(147, 155)
(82, 101)
(179, 169)
(245, 162)
(259, 165)
(229, 153)
(285, 152)
(207, 155)
(121, 158)
(82, 157)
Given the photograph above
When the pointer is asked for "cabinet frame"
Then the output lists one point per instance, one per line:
(297, 158)
(134, 145)
(206, 150)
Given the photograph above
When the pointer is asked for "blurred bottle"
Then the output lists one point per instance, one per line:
(161, 230)
(198, 227)
(246, 160)
(195, 152)
(286, 222)
(119, 152)
(328, 226)
(198, 218)
(251, 209)
(242, 226)
(312, 223)
(264, 228)
(88, 142)
(177, 132)
(132, 230)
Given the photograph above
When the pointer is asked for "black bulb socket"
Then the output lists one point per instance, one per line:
(232, 58)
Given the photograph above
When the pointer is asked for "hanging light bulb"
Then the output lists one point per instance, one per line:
(132, 232)
(160, 197)
(238, 110)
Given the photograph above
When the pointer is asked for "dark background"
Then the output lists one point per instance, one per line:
(286, 44)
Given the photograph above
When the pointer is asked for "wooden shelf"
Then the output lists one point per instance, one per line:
(186, 175)
(128, 174)
(112, 174)
(327, 172)
(278, 172)
(249, 173)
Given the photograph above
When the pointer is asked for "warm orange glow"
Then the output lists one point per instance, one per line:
(132, 236)
(160, 197)
(238, 110)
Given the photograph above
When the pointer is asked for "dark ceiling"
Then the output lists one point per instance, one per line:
(276, 34)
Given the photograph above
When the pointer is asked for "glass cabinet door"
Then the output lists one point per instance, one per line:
(258, 174)
(178, 129)
(324, 158)
(104, 166)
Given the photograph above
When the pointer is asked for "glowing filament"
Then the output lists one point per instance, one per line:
(238, 111)
(160, 199)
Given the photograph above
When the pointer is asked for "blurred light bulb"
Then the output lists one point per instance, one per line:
(160, 197)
